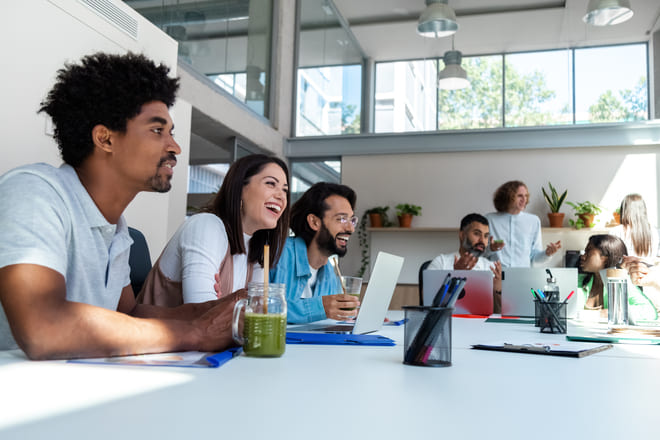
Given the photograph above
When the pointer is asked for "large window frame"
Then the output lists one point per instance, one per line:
(503, 87)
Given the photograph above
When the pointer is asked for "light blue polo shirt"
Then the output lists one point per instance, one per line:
(47, 218)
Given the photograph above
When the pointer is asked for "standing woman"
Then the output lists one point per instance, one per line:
(228, 237)
(635, 230)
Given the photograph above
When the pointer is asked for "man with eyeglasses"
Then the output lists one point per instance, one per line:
(322, 221)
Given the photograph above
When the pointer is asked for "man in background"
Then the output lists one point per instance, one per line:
(474, 242)
(322, 221)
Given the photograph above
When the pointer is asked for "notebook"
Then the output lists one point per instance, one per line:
(517, 283)
(375, 302)
(478, 296)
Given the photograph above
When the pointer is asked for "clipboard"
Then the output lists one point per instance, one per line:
(337, 339)
(566, 349)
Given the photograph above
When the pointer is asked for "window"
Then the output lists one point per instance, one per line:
(538, 88)
(305, 173)
(229, 42)
(611, 84)
(480, 104)
(329, 75)
(607, 84)
(328, 100)
(405, 96)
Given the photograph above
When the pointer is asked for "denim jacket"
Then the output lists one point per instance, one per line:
(293, 270)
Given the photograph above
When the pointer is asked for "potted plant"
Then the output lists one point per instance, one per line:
(405, 213)
(555, 201)
(377, 218)
(617, 216)
(585, 211)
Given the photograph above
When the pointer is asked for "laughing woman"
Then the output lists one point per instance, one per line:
(249, 211)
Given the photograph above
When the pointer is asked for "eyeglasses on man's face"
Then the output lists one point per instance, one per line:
(343, 219)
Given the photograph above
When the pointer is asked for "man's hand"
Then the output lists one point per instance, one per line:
(214, 326)
(496, 245)
(552, 248)
(340, 307)
(496, 268)
(466, 261)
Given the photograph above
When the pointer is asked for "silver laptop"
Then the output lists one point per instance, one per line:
(478, 296)
(375, 302)
(517, 283)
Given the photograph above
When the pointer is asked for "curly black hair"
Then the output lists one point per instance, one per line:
(313, 202)
(104, 89)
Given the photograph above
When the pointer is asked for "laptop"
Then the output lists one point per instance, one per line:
(478, 296)
(375, 302)
(517, 282)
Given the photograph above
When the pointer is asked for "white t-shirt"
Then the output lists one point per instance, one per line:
(308, 291)
(194, 254)
(624, 234)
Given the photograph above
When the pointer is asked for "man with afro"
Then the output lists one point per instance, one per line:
(64, 244)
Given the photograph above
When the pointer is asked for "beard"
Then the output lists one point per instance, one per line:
(328, 243)
(469, 246)
(159, 183)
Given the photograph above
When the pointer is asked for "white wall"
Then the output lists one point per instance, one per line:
(450, 185)
(42, 35)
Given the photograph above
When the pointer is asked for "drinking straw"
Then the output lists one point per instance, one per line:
(266, 257)
(335, 264)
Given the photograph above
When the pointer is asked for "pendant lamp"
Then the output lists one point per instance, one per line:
(453, 76)
(607, 12)
(438, 20)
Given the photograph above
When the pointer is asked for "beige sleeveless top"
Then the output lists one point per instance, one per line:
(159, 290)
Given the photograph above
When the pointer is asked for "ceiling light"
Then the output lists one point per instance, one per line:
(438, 20)
(453, 76)
(607, 12)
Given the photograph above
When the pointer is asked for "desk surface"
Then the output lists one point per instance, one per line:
(330, 392)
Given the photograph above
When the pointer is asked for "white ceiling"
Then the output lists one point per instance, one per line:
(386, 29)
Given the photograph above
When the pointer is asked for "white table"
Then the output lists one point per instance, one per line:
(330, 392)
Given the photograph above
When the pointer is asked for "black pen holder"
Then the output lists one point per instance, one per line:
(427, 340)
(550, 316)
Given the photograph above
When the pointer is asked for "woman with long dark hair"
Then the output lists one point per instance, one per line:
(251, 209)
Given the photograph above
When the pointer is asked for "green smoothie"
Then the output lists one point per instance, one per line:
(265, 335)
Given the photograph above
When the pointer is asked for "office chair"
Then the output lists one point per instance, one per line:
(572, 259)
(139, 260)
(422, 268)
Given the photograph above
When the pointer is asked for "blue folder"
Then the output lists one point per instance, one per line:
(337, 339)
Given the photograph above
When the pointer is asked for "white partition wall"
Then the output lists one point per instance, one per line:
(40, 36)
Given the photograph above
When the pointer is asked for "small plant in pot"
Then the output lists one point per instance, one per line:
(585, 212)
(405, 213)
(377, 216)
(555, 201)
(616, 215)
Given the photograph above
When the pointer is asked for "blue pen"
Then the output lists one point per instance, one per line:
(438, 301)
(456, 293)
(541, 295)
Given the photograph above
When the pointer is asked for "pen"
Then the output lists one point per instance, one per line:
(451, 302)
(569, 296)
(541, 295)
(443, 288)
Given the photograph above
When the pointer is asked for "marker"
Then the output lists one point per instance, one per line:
(541, 295)
(569, 296)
